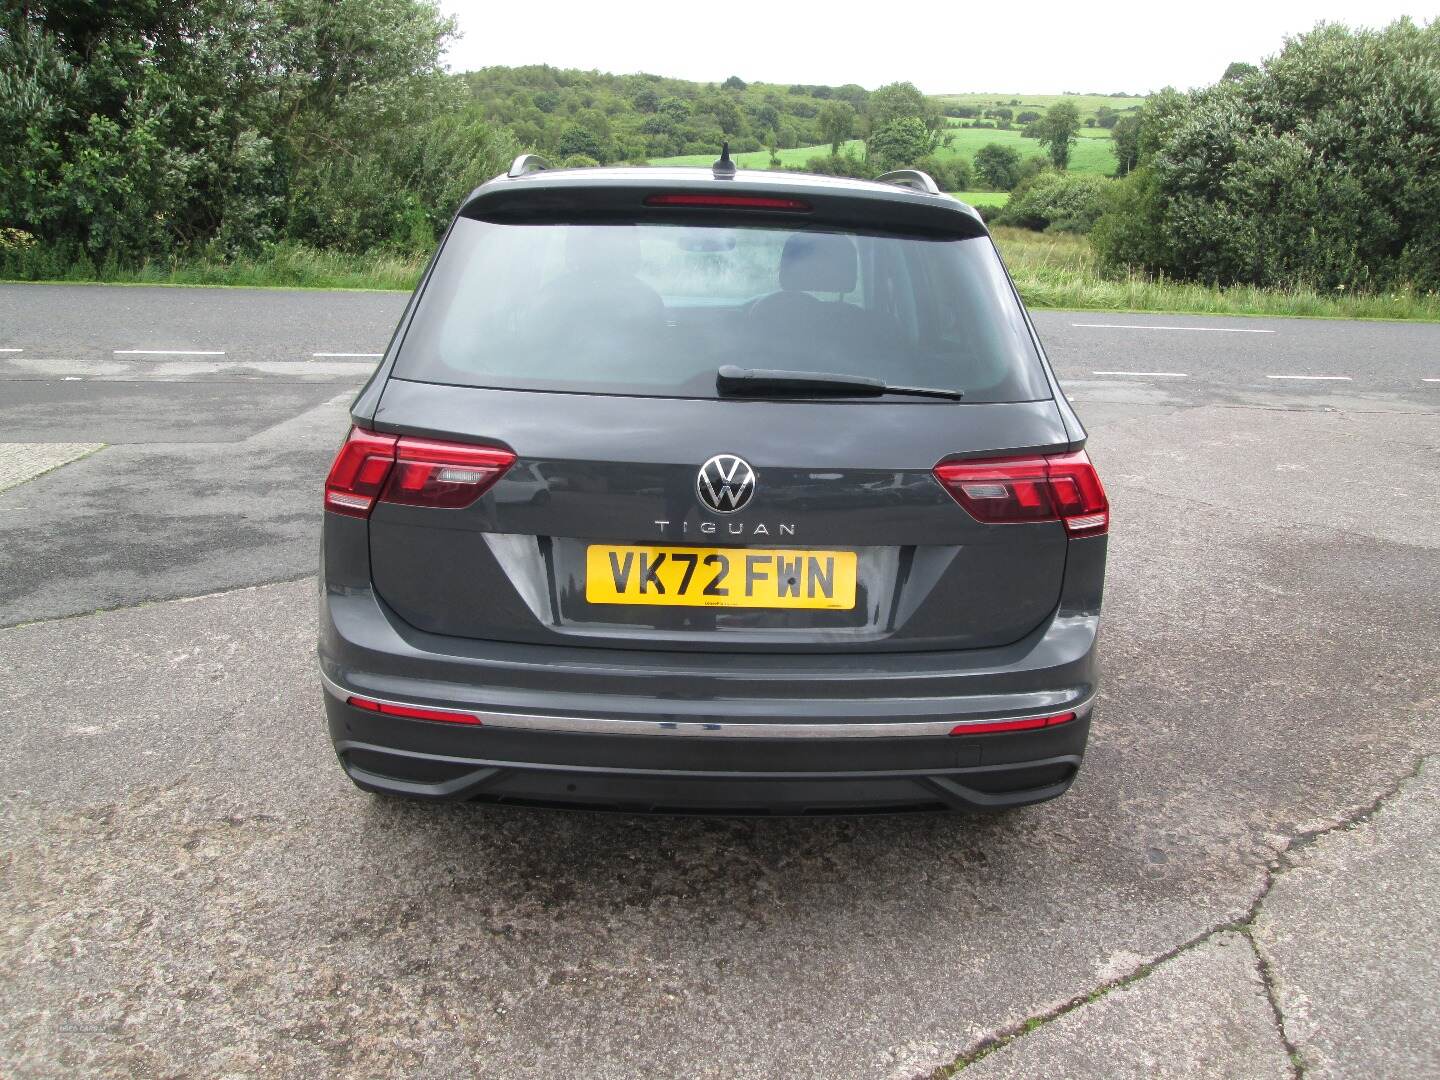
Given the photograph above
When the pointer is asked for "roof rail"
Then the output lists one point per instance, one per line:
(911, 178)
(527, 163)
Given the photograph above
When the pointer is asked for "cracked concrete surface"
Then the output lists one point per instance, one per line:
(1351, 934)
(1202, 1013)
(1207, 1010)
(189, 886)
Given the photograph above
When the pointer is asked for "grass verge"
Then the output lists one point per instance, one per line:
(1057, 270)
(283, 267)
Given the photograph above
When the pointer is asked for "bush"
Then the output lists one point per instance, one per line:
(951, 174)
(1317, 170)
(1030, 168)
(998, 166)
(1062, 202)
(846, 164)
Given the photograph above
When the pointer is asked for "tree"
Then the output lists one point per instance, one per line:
(837, 124)
(725, 111)
(1057, 130)
(734, 82)
(1239, 70)
(998, 166)
(1317, 170)
(898, 101)
(137, 129)
(577, 140)
(1106, 117)
(765, 117)
(1126, 136)
(901, 142)
(677, 109)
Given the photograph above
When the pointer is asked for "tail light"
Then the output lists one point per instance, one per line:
(450, 475)
(1028, 723)
(373, 467)
(1053, 487)
(359, 472)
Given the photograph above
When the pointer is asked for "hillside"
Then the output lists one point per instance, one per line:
(591, 116)
(611, 118)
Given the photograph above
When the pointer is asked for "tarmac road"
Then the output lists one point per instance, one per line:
(1241, 883)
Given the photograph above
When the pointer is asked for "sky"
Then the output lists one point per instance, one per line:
(1041, 47)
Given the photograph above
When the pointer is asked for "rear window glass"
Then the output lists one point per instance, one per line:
(652, 309)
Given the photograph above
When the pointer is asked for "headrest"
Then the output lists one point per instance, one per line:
(819, 262)
(602, 249)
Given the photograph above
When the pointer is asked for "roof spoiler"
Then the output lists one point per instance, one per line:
(577, 196)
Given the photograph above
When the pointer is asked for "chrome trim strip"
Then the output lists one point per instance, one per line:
(594, 725)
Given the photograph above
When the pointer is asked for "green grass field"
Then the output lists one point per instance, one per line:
(1084, 132)
(983, 198)
(1090, 154)
(1086, 103)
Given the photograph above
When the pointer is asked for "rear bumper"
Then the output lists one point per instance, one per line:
(696, 732)
(679, 774)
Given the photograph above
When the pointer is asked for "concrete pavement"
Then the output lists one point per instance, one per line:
(1239, 884)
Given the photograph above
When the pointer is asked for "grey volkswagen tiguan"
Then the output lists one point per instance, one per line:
(698, 490)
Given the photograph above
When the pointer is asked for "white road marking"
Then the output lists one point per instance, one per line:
(172, 368)
(1313, 378)
(1147, 374)
(365, 355)
(1430, 380)
(1145, 326)
(12, 350)
(168, 352)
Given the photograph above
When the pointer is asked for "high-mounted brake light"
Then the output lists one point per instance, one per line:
(1002, 491)
(1028, 723)
(373, 467)
(412, 712)
(732, 202)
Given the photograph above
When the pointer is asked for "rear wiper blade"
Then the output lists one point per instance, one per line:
(760, 381)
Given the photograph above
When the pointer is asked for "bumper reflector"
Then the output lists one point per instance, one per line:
(994, 727)
(411, 712)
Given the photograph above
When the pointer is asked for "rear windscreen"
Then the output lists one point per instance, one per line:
(650, 309)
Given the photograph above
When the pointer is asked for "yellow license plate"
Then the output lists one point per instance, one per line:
(719, 577)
